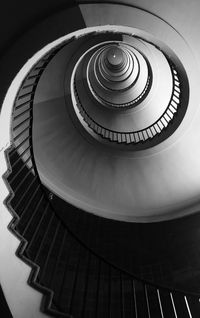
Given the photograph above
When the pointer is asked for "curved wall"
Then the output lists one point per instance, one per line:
(22, 51)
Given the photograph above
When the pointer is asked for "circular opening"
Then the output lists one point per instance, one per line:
(115, 57)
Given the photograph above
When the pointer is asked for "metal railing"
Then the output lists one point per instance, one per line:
(74, 280)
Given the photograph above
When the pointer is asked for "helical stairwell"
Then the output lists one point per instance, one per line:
(92, 124)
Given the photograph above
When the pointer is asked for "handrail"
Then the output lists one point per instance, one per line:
(14, 157)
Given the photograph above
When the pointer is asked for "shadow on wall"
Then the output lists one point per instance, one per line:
(5, 312)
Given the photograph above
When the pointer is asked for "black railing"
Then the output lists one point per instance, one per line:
(135, 137)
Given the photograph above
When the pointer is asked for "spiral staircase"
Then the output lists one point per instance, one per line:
(99, 162)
